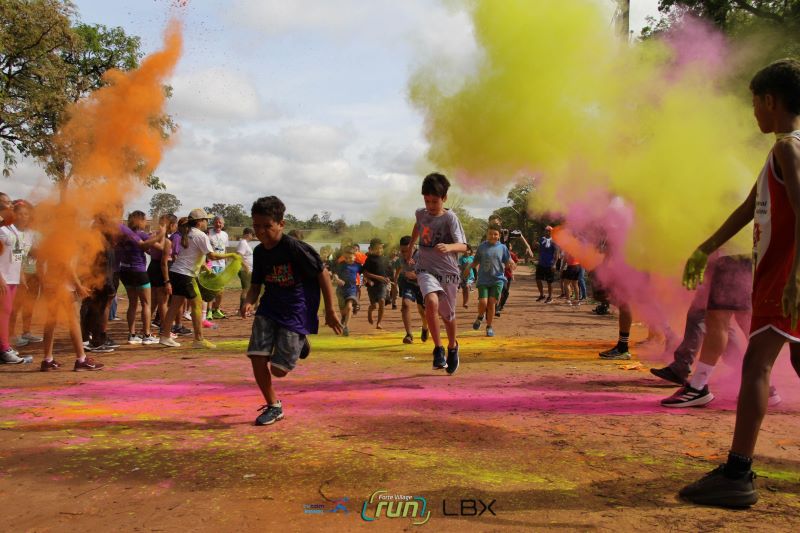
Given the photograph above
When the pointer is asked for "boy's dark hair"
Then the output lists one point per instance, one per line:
(136, 214)
(248, 231)
(375, 243)
(781, 79)
(435, 185)
(269, 206)
(494, 227)
(405, 240)
(350, 250)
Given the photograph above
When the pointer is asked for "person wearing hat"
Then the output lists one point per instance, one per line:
(195, 248)
(545, 268)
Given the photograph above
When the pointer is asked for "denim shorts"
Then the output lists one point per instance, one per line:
(281, 346)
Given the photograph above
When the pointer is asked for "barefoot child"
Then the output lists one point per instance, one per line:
(774, 206)
(293, 276)
(491, 260)
(441, 239)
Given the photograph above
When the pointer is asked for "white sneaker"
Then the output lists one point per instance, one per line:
(31, 338)
(187, 315)
(10, 357)
(134, 339)
(774, 397)
(19, 342)
(85, 344)
(150, 339)
(169, 342)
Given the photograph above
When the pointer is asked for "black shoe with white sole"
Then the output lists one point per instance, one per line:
(688, 397)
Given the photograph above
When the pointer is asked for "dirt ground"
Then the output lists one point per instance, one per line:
(163, 439)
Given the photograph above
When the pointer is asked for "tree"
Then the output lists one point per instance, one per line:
(163, 203)
(234, 214)
(33, 73)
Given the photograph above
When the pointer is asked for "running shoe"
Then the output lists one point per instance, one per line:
(182, 330)
(424, 335)
(218, 314)
(439, 361)
(668, 374)
(408, 339)
(269, 414)
(774, 397)
(497, 313)
(49, 365)
(345, 332)
(306, 349)
(209, 324)
(686, 396)
(31, 338)
(10, 357)
(19, 342)
(87, 364)
(187, 315)
(489, 331)
(477, 324)
(99, 349)
(203, 344)
(720, 491)
(150, 339)
(110, 343)
(169, 342)
(132, 339)
(452, 360)
(615, 353)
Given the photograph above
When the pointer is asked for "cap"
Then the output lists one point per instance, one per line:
(198, 214)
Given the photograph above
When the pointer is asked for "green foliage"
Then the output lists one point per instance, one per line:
(234, 214)
(163, 203)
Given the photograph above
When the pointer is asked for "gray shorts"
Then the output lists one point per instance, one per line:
(446, 287)
(378, 292)
(279, 345)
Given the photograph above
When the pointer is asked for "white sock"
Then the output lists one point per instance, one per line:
(702, 373)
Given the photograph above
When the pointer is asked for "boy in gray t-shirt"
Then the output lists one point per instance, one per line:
(441, 238)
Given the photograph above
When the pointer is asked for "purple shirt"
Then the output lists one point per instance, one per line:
(176, 244)
(131, 257)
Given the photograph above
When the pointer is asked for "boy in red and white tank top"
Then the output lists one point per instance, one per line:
(774, 206)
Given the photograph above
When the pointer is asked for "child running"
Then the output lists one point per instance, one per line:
(377, 270)
(441, 239)
(774, 205)
(345, 276)
(293, 276)
(467, 275)
(406, 279)
(491, 260)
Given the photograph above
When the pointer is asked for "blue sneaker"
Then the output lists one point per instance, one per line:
(489, 331)
(269, 414)
(452, 360)
(438, 358)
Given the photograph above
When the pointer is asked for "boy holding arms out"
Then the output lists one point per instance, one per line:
(346, 278)
(377, 270)
(293, 276)
(441, 238)
(491, 261)
(774, 206)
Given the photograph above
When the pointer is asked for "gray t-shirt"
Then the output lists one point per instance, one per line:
(445, 228)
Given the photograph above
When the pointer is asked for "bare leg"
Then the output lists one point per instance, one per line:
(540, 286)
(716, 336)
(489, 305)
(405, 312)
(133, 301)
(144, 297)
(381, 308)
(432, 317)
(174, 309)
(264, 379)
(482, 305)
(450, 328)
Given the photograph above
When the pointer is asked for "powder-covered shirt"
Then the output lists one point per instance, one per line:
(289, 273)
(547, 252)
(130, 255)
(12, 254)
(491, 259)
(433, 230)
(219, 242)
(191, 258)
(246, 252)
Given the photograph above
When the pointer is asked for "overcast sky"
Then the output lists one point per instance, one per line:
(304, 99)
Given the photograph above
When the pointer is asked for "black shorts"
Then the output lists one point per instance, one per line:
(572, 273)
(731, 286)
(137, 280)
(544, 273)
(182, 285)
(155, 274)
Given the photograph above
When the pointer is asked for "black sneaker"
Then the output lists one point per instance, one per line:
(424, 335)
(497, 313)
(720, 491)
(668, 374)
(110, 343)
(477, 324)
(269, 414)
(615, 354)
(686, 396)
(183, 330)
(438, 358)
(306, 349)
(452, 360)
(408, 339)
(99, 349)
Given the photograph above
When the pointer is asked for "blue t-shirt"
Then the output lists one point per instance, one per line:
(463, 261)
(492, 259)
(289, 273)
(348, 274)
(547, 252)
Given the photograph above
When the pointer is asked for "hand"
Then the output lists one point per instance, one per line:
(340, 282)
(332, 321)
(442, 248)
(695, 269)
(386, 280)
(245, 310)
(168, 287)
(791, 299)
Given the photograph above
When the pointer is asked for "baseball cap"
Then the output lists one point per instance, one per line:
(198, 214)
(516, 233)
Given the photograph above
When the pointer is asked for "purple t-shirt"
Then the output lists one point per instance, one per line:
(131, 256)
(176, 245)
(289, 273)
